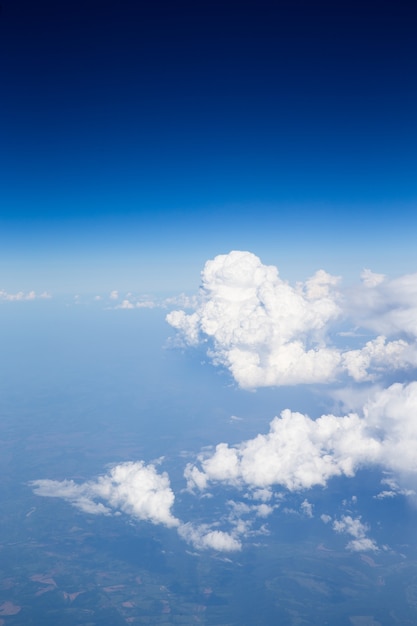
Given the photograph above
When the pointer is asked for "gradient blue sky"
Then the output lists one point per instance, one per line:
(139, 141)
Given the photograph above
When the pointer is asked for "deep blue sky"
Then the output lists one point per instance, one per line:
(139, 139)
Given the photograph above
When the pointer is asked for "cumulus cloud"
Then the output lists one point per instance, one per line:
(139, 491)
(379, 355)
(126, 304)
(132, 488)
(261, 494)
(391, 414)
(203, 537)
(358, 530)
(299, 452)
(267, 332)
(242, 520)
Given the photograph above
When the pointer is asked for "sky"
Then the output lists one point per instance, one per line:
(138, 141)
(207, 228)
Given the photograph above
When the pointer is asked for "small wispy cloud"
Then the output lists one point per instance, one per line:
(21, 295)
(393, 490)
(358, 530)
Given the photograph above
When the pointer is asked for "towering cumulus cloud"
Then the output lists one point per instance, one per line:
(269, 333)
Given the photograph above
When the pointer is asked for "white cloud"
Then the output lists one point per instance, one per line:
(264, 510)
(267, 332)
(131, 300)
(358, 530)
(146, 304)
(139, 491)
(393, 490)
(80, 496)
(183, 300)
(364, 544)
(257, 321)
(371, 279)
(307, 508)
(132, 488)
(21, 295)
(348, 524)
(203, 538)
(391, 413)
(262, 494)
(378, 355)
(126, 304)
(140, 304)
(386, 306)
(299, 452)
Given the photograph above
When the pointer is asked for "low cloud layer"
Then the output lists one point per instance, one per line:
(297, 454)
(268, 333)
